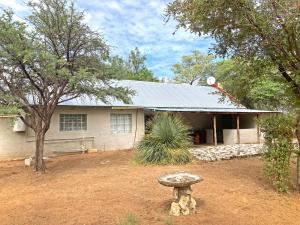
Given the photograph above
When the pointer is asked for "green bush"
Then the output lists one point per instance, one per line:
(167, 142)
(8, 110)
(278, 133)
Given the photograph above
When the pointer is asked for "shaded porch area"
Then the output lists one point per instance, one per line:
(220, 128)
(224, 129)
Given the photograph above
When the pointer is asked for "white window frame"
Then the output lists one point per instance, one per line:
(72, 122)
(120, 123)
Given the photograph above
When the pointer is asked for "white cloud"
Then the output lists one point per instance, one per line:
(13, 4)
(114, 5)
(129, 23)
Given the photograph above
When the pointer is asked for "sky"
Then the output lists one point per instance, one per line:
(126, 24)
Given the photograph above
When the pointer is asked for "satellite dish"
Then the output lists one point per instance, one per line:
(211, 80)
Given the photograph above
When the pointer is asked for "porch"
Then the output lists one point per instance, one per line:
(224, 129)
(220, 128)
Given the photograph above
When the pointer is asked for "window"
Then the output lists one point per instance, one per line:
(120, 123)
(72, 122)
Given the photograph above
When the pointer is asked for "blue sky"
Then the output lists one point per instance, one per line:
(126, 24)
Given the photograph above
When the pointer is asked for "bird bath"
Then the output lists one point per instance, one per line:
(183, 204)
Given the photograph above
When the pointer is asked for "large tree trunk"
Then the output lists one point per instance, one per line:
(39, 151)
(298, 172)
(298, 155)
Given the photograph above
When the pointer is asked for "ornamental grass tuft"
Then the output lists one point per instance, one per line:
(167, 142)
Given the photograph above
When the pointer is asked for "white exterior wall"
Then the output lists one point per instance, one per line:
(247, 136)
(97, 136)
(12, 144)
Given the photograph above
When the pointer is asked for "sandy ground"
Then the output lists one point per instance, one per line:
(102, 188)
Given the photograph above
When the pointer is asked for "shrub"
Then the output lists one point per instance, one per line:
(8, 110)
(278, 133)
(167, 142)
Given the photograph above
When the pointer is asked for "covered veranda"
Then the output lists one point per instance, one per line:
(218, 126)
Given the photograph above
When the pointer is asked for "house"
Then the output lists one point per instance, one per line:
(91, 124)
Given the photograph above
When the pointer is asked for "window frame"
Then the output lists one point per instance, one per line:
(74, 125)
(119, 125)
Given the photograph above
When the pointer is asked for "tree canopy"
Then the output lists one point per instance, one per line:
(52, 58)
(258, 86)
(133, 67)
(254, 30)
(193, 68)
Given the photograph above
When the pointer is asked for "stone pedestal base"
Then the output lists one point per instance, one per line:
(184, 204)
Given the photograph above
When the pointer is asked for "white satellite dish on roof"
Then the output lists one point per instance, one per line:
(211, 80)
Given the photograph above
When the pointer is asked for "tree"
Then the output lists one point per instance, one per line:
(138, 69)
(254, 30)
(117, 68)
(257, 86)
(278, 134)
(193, 68)
(130, 68)
(51, 59)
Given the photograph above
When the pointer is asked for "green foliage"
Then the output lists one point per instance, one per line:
(193, 68)
(131, 68)
(130, 219)
(51, 58)
(263, 32)
(255, 86)
(6, 110)
(166, 143)
(256, 31)
(278, 133)
(137, 67)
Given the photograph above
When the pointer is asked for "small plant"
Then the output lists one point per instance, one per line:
(169, 221)
(278, 133)
(167, 142)
(130, 219)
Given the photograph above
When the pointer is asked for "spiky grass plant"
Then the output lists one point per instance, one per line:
(166, 143)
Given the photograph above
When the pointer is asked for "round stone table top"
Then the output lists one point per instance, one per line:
(179, 179)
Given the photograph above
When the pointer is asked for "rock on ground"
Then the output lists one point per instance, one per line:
(220, 152)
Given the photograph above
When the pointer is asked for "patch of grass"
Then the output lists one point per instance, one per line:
(167, 142)
(169, 221)
(130, 219)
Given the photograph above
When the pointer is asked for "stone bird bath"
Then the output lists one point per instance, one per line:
(183, 204)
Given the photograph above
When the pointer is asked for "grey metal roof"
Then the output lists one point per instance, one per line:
(210, 110)
(154, 95)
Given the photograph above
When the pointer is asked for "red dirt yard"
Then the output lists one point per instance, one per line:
(102, 188)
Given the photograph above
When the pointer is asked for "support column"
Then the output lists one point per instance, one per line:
(238, 128)
(215, 131)
(257, 129)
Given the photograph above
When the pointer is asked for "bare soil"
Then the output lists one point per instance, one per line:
(102, 188)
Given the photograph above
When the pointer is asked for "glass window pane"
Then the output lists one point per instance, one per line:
(121, 123)
(72, 122)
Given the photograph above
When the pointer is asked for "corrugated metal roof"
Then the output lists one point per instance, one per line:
(210, 110)
(154, 95)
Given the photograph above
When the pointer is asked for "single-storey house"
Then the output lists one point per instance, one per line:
(86, 123)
